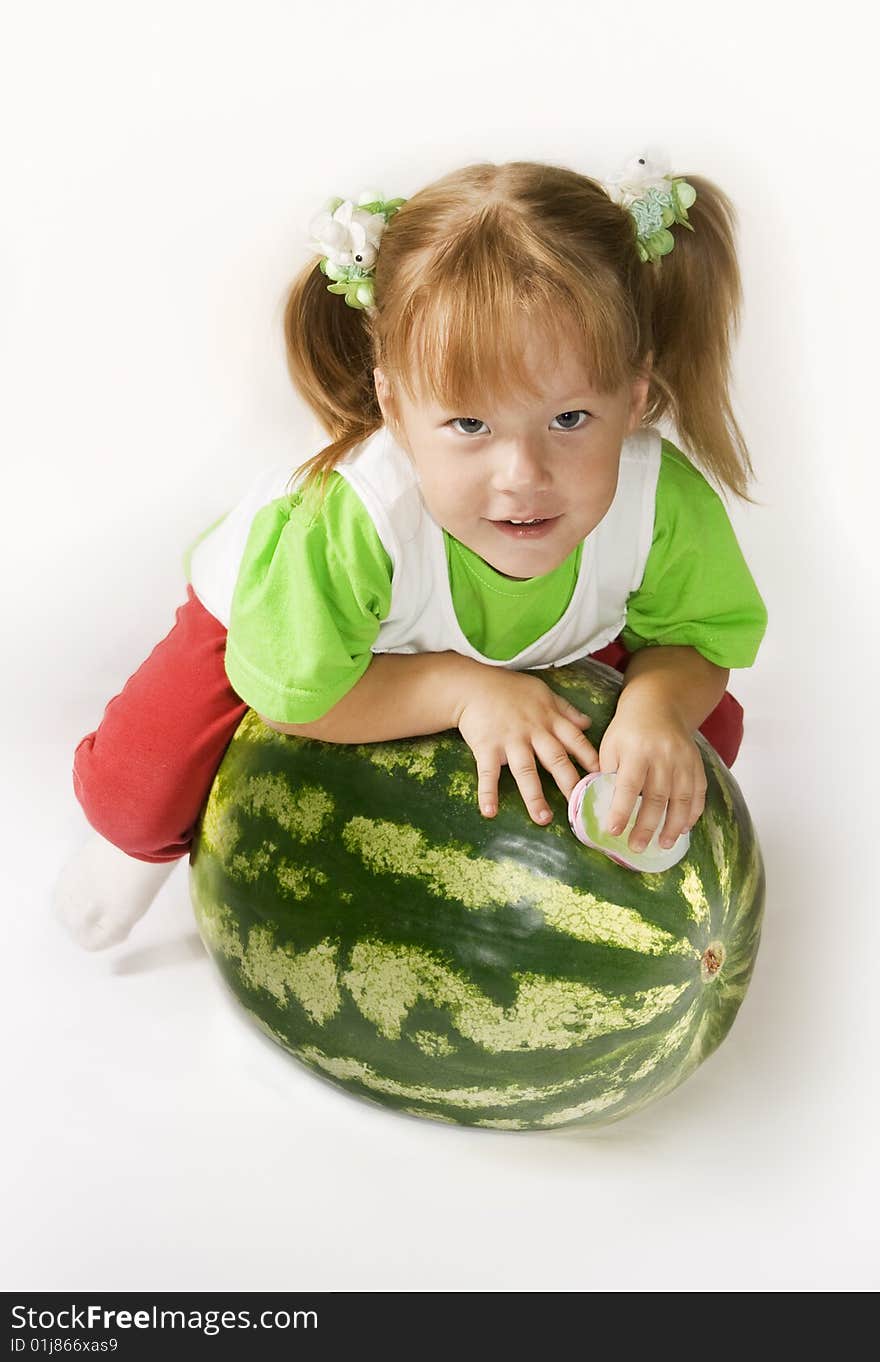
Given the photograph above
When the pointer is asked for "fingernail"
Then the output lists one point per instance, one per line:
(544, 816)
(489, 809)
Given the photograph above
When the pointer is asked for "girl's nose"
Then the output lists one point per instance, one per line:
(522, 467)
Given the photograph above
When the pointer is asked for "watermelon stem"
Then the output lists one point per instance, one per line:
(712, 959)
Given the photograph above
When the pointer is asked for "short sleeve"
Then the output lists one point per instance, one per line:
(313, 587)
(697, 588)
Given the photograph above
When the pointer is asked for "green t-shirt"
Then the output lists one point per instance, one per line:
(314, 586)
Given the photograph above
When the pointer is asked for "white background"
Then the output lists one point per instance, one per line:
(160, 164)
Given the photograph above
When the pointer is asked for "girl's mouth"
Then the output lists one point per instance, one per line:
(535, 531)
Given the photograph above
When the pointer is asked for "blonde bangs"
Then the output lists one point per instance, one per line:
(460, 339)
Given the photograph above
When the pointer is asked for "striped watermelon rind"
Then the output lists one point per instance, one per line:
(482, 972)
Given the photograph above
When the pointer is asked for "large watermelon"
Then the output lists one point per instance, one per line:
(485, 972)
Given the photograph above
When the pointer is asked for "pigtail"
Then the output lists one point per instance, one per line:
(329, 358)
(695, 302)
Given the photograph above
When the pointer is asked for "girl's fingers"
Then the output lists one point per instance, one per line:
(685, 802)
(627, 788)
(488, 772)
(555, 758)
(677, 818)
(572, 712)
(578, 743)
(650, 812)
(521, 760)
(698, 803)
(590, 757)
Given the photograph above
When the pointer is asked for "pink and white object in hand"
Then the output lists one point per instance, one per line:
(589, 805)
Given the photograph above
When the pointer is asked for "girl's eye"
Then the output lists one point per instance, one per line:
(473, 421)
(580, 411)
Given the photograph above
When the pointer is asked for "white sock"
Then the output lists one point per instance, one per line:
(102, 892)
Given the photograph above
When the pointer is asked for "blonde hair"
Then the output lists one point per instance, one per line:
(469, 258)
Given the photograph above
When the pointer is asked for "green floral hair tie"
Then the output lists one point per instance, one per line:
(655, 198)
(347, 235)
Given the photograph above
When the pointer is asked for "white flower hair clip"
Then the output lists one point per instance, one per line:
(655, 198)
(347, 235)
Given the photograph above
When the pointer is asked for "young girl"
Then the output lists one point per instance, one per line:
(493, 350)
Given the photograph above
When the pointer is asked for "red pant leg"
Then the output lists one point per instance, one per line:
(723, 728)
(144, 775)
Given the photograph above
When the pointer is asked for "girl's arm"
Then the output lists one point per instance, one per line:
(501, 713)
(674, 677)
(400, 695)
(403, 695)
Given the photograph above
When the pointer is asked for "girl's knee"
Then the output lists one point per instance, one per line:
(137, 835)
(119, 803)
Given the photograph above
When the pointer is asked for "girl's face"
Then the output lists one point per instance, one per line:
(555, 458)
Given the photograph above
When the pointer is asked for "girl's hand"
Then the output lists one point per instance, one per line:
(508, 717)
(655, 756)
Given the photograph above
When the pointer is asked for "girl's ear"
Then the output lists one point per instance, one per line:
(639, 394)
(383, 393)
(386, 404)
